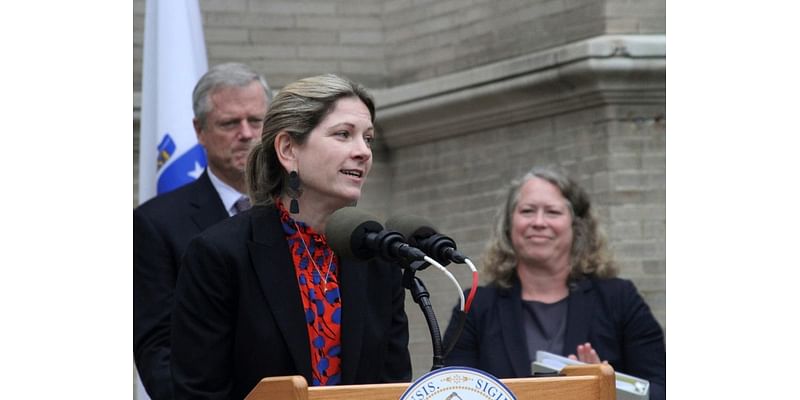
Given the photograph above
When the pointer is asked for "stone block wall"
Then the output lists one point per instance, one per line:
(288, 40)
(385, 43)
(441, 37)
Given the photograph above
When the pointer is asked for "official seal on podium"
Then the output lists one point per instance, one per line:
(457, 383)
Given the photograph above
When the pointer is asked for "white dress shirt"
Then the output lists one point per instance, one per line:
(227, 194)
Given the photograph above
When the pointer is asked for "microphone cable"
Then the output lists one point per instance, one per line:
(474, 284)
(440, 267)
(461, 315)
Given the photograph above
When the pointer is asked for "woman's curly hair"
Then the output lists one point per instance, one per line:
(590, 256)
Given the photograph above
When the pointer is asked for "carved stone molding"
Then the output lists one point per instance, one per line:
(604, 70)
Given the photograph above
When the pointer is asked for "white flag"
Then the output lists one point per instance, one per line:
(174, 59)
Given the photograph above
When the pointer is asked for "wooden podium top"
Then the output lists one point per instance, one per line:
(580, 382)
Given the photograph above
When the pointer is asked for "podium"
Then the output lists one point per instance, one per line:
(578, 382)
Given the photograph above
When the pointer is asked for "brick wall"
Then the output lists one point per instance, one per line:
(447, 36)
(392, 42)
(288, 40)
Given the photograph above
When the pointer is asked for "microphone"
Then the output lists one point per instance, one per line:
(420, 233)
(354, 233)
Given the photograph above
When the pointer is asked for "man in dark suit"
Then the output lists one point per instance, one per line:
(229, 102)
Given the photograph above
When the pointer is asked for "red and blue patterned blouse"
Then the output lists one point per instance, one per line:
(316, 268)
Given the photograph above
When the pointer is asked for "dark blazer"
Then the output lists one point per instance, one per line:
(239, 317)
(162, 228)
(608, 313)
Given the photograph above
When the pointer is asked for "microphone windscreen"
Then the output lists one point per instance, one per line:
(347, 231)
(412, 227)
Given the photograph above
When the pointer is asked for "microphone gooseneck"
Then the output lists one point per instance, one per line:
(420, 295)
(356, 234)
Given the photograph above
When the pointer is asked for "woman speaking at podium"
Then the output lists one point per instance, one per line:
(261, 293)
(554, 288)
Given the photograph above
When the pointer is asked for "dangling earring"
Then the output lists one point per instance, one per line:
(294, 192)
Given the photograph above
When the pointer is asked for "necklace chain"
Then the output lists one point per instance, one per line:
(314, 263)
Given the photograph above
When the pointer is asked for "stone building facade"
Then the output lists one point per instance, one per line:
(472, 93)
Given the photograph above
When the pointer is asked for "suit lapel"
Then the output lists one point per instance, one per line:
(510, 311)
(273, 265)
(206, 202)
(353, 285)
(579, 316)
